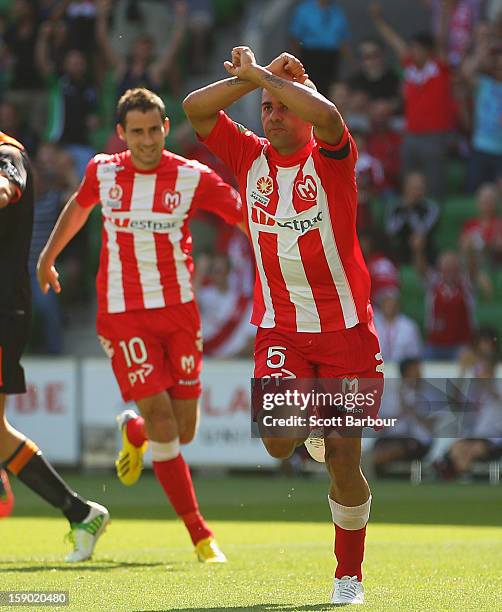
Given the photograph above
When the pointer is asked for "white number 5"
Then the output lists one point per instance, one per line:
(276, 351)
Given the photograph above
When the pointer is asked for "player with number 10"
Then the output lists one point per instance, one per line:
(148, 322)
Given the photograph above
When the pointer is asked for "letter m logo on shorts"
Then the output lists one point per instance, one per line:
(187, 363)
(350, 385)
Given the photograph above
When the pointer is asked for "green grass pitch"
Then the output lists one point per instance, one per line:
(433, 547)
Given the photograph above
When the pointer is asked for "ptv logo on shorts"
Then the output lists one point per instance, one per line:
(140, 375)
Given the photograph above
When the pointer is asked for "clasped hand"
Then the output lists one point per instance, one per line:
(243, 65)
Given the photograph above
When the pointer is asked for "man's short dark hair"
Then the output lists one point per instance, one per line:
(425, 40)
(140, 99)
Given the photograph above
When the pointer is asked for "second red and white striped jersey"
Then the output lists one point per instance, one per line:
(301, 213)
(146, 259)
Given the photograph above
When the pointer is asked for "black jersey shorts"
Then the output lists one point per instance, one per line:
(14, 334)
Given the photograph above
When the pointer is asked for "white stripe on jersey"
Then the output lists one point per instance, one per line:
(106, 175)
(260, 168)
(142, 197)
(187, 182)
(115, 289)
(290, 260)
(331, 252)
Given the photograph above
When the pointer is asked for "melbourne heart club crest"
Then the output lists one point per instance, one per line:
(171, 200)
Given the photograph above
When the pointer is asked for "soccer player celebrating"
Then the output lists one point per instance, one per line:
(312, 291)
(148, 322)
(20, 456)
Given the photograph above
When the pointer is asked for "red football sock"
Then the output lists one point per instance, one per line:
(136, 431)
(174, 476)
(349, 552)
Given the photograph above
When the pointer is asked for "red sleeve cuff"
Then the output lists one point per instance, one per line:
(212, 135)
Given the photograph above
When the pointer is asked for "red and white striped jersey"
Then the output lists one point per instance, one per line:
(301, 213)
(146, 259)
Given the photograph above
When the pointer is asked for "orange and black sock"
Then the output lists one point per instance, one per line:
(31, 467)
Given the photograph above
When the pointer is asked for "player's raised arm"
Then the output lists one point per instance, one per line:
(202, 106)
(300, 99)
(70, 222)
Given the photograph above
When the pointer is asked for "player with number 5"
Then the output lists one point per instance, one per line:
(311, 304)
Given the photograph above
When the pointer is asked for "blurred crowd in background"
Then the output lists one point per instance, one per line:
(426, 113)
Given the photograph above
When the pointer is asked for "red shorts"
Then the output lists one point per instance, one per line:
(347, 353)
(154, 350)
(350, 358)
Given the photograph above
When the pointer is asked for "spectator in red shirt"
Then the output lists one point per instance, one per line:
(370, 180)
(225, 308)
(428, 102)
(383, 272)
(384, 144)
(449, 304)
(481, 237)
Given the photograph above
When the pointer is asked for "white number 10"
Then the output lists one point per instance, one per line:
(134, 351)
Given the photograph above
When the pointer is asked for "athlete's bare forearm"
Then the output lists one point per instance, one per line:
(217, 96)
(202, 105)
(303, 101)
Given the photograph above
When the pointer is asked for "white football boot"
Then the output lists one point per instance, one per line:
(315, 444)
(347, 590)
(84, 535)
